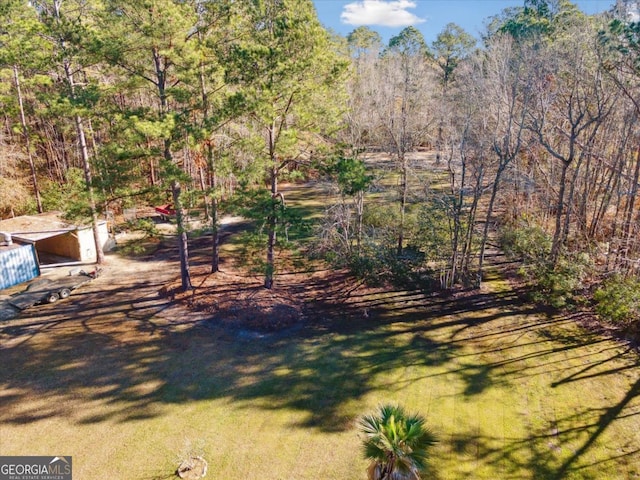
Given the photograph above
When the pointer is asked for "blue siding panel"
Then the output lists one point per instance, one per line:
(18, 265)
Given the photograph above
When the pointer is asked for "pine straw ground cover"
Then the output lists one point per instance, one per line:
(129, 382)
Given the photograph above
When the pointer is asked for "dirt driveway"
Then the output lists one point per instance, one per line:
(124, 299)
(128, 292)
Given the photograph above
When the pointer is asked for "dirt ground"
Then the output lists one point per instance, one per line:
(234, 298)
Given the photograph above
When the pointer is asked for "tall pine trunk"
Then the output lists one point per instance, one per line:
(176, 188)
(86, 166)
(211, 164)
(183, 246)
(557, 235)
(215, 228)
(272, 222)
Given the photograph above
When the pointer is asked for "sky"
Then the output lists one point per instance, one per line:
(389, 17)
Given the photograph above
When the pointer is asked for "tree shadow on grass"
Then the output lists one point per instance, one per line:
(315, 375)
(562, 447)
(134, 352)
(555, 453)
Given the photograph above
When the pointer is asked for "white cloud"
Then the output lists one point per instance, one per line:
(380, 12)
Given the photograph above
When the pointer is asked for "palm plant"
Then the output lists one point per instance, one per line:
(396, 443)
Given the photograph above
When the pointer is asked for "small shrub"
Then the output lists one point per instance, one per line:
(144, 245)
(380, 223)
(145, 225)
(530, 243)
(554, 283)
(435, 228)
(251, 249)
(15, 198)
(364, 267)
(379, 266)
(618, 301)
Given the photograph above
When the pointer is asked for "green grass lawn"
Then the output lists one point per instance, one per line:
(512, 394)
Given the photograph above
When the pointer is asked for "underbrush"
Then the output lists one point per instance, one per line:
(370, 251)
(617, 302)
(564, 284)
(555, 283)
(384, 266)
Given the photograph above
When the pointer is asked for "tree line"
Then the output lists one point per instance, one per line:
(532, 130)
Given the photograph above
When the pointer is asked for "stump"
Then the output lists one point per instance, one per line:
(192, 468)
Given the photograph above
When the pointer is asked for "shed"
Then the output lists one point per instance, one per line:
(56, 241)
(18, 264)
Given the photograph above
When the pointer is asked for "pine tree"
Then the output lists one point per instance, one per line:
(289, 76)
(149, 41)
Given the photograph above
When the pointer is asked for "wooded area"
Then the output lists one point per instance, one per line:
(110, 104)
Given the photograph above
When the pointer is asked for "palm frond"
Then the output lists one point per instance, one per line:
(394, 438)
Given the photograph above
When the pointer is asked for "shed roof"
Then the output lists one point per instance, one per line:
(32, 228)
